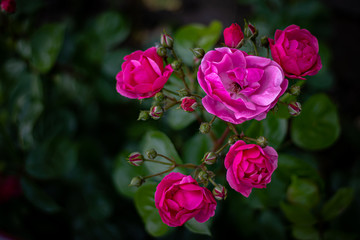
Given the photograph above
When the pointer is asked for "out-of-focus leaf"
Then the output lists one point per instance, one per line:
(123, 173)
(196, 35)
(303, 192)
(46, 44)
(196, 147)
(337, 204)
(162, 145)
(145, 205)
(298, 214)
(335, 235)
(52, 159)
(305, 233)
(317, 127)
(179, 119)
(199, 228)
(112, 62)
(38, 197)
(275, 129)
(271, 226)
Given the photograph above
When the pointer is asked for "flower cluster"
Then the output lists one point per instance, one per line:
(237, 86)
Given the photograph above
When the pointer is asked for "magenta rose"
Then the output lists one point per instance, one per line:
(297, 52)
(239, 87)
(233, 35)
(142, 75)
(8, 6)
(249, 166)
(179, 198)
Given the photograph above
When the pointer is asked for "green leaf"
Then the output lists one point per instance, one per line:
(163, 145)
(179, 119)
(305, 233)
(52, 159)
(196, 147)
(199, 228)
(38, 197)
(123, 173)
(337, 204)
(303, 192)
(298, 214)
(196, 35)
(46, 44)
(145, 205)
(317, 127)
(275, 129)
(271, 225)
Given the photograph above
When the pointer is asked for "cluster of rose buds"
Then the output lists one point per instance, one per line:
(238, 87)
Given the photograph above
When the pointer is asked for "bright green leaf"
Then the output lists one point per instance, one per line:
(317, 127)
(145, 205)
(338, 203)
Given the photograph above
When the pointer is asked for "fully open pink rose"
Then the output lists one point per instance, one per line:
(249, 166)
(142, 75)
(239, 87)
(179, 198)
(297, 51)
(233, 35)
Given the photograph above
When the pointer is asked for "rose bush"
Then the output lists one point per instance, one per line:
(249, 166)
(142, 75)
(297, 52)
(239, 87)
(179, 198)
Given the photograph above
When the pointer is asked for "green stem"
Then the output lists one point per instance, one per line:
(170, 91)
(167, 158)
(212, 120)
(213, 182)
(232, 128)
(160, 173)
(255, 48)
(156, 161)
(222, 148)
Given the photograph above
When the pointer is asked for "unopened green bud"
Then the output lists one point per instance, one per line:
(295, 90)
(176, 65)
(143, 115)
(205, 127)
(161, 51)
(209, 158)
(202, 176)
(232, 139)
(183, 92)
(166, 40)
(156, 112)
(151, 153)
(264, 42)
(262, 141)
(159, 97)
(137, 181)
(198, 52)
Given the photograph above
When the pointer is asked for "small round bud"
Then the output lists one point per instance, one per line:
(294, 108)
(219, 192)
(202, 176)
(159, 97)
(209, 158)
(166, 40)
(232, 139)
(143, 115)
(198, 52)
(176, 65)
(295, 90)
(161, 51)
(151, 153)
(137, 181)
(135, 159)
(183, 92)
(205, 127)
(262, 141)
(156, 112)
(189, 104)
(264, 41)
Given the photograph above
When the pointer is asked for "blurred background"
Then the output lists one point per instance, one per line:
(65, 131)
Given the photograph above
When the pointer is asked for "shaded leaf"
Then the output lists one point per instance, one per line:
(338, 203)
(199, 228)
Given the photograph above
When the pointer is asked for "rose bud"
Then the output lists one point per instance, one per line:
(161, 51)
(135, 159)
(219, 192)
(198, 52)
(295, 90)
(143, 115)
(189, 104)
(166, 40)
(8, 6)
(156, 112)
(233, 35)
(137, 181)
(262, 141)
(205, 127)
(151, 153)
(294, 108)
(209, 158)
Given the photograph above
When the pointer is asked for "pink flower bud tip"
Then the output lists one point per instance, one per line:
(156, 112)
(220, 192)
(136, 159)
(189, 104)
(294, 108)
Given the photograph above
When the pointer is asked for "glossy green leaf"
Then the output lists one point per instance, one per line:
(46, 44)
(317, 127)
(303, 192)
(305, 233)
(52, 159)
(196, 35)
(337, 204)
(199, 228)
(196, 147)
(38, 197)
(162, 144)
(145, 205)
(298, 214)
(179, 119)
(275, 129)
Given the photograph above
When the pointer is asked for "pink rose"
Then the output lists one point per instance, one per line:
(142, 75)
(249, 166)
(8, 6)
(233, 35)
(239, 87)
(297, 52)
(179, 198)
